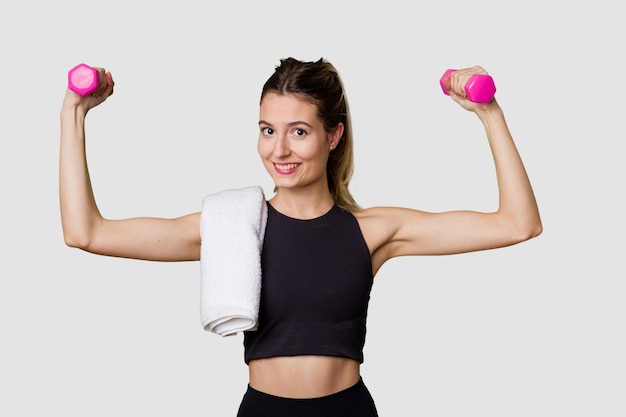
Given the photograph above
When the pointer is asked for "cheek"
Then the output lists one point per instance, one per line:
(262, 148)
(309, 150)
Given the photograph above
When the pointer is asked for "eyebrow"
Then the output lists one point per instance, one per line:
(298, 122)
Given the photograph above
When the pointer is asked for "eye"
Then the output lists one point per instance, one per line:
(267, 131)
(299, 132)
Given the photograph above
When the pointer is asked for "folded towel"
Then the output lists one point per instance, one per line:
(232, 226)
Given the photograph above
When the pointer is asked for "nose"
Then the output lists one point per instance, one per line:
(281, 146)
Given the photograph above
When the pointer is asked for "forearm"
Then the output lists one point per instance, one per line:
(79, 212)
(517, 203)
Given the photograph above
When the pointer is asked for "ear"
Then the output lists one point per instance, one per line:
(336, 135)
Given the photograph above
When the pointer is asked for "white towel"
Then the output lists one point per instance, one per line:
(232, 226)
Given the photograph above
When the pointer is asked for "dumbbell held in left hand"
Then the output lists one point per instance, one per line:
(480, 88)
(82, 79)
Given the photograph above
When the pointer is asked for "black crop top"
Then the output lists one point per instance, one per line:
(317, 278)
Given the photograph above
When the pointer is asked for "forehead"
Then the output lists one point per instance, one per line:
(286, 108)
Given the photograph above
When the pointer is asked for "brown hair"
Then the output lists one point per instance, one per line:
(318, 82)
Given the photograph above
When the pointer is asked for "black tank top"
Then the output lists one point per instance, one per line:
(317, 278)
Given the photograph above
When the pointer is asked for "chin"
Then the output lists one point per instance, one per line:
(282, 184)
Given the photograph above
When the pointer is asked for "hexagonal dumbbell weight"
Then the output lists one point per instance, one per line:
(82, 79)
(480, 88)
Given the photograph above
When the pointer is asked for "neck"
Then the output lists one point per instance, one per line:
(302, 203)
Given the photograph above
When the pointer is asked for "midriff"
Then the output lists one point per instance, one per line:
(303, 376)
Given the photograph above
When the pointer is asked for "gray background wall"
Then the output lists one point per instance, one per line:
(535, 329)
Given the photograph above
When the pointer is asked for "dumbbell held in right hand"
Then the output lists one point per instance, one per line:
(480, 88)
(82, 79)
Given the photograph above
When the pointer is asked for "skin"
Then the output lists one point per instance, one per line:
(294, 149)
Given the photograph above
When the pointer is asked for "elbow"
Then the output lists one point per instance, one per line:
(520, 225)
(73, 239)
(80, 234)
(537, 230)
(73, 242)
(528, 230)
(532, 233)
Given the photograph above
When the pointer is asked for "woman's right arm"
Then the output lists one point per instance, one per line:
(84, 227)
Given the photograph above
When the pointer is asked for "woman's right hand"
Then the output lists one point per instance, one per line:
(157, 239)
(100, 94)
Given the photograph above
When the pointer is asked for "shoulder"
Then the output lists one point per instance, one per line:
(380, 225)
(388, 229)
(384, 215)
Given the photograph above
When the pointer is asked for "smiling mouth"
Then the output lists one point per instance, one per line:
(286, 168)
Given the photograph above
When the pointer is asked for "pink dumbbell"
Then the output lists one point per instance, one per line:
(82, 79)
(480, 88)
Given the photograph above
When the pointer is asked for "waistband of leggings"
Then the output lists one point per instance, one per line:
(347, 391)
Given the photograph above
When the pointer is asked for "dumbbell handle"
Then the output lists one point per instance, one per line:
(82, 79)
(480, 88)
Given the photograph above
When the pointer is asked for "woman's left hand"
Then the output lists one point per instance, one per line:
(455, 84)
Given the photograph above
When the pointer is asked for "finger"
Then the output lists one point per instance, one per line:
(102, 82)
(110, 83)
(457, 82)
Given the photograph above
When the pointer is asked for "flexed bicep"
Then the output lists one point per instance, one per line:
(147, 238)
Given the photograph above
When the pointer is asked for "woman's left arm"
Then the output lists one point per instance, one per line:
(392, 232)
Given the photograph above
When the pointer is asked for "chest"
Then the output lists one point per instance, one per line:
(319, 267)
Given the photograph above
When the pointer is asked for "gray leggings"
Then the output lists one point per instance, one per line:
(355, 401)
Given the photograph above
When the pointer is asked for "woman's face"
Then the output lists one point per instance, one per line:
(292, 143)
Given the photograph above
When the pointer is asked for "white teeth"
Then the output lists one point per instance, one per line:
(286, 167)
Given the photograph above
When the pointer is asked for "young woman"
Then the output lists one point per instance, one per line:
(321, 250)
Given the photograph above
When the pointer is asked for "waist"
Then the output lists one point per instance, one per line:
(308, 376)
